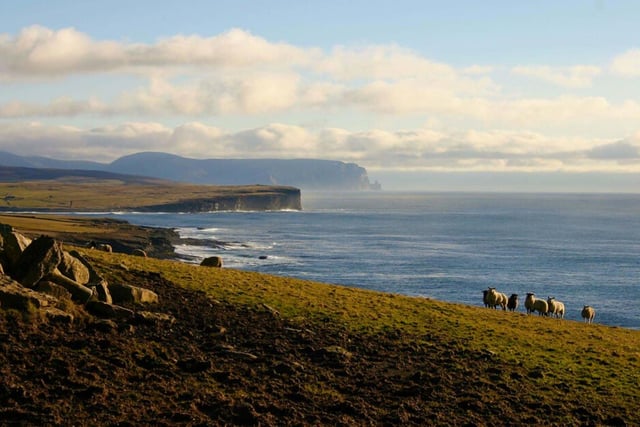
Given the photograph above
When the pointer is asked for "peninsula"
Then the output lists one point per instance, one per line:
(60, 190)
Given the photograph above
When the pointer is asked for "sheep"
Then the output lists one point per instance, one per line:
(532, 304)
(496, 299)
(512, 304)
(528, 302)
(556, 308)
(105, 247)
(485, 298)
(588, 313)
(541, 307)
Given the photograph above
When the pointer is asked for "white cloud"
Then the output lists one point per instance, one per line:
(418, 149)
(42, 52)
(577, 76)
(627, 64)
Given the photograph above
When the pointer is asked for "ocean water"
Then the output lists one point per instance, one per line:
(581, 248)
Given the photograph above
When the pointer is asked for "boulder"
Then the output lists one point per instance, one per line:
(40, 258)
(94, 276)
(14, 295)
(14, 245)
(133, 294)
(50, 288)
(74, 269)
(101, 291)
(109, 311)
(79, 293)
(56, 315)
(212, 261)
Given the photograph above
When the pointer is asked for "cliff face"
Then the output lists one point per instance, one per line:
(282, 199)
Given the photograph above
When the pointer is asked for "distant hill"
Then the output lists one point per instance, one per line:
(301, 173)
(20, 173)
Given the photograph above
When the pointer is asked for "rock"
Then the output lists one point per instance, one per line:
(109, 311)
(56, 315)
(134, 294)
(139, 252)
(50, 288)
(14, 295)
(74, 269)
(14, 245)
(40, 258)
(101, 290)
(151, 318)
(79, 293)
(212, 261)
(97, 283)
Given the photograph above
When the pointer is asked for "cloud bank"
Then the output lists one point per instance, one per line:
(419, 150)
(406, 111)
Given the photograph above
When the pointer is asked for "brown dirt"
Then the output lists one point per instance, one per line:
(221, 364)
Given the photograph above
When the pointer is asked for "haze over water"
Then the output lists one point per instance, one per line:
(580, 248)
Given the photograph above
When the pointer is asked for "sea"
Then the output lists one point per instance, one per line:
(583, 249)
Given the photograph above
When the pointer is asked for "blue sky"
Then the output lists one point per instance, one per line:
(414, 91)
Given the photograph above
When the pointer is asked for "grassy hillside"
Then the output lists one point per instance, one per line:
(254, 349)
(509, 364)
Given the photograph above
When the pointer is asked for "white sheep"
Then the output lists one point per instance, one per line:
(556, 308)
(528, 302)
(541, 307)
(532, 304)
(588, 313)
(495, 299)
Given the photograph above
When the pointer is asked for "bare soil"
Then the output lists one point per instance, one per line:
(222, 364)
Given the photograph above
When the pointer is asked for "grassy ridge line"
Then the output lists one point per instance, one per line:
(596, 364)
(87, 194)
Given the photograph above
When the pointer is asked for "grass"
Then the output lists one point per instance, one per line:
(602, 363)
(88, 194)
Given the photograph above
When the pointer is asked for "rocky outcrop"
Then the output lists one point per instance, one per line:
(15, 296)
(13, 245)
(271, 199)
(40, 258)
(122, 293)
(44, 276)
(212, 261)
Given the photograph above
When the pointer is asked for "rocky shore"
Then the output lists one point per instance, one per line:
(81, 231)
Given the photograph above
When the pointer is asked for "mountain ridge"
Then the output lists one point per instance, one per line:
(309, 174)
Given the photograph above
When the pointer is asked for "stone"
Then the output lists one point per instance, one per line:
(109, 311)
(74, 269)
(50, 288)
(14, 245)
(79, 293)
(101, 290)
(132, 294)
(40, 258)
(212, 261)
(56, 315)
(14, 295)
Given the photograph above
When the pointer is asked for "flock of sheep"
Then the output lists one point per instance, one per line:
(551, 307)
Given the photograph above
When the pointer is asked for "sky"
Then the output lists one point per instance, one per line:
(456, 95)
